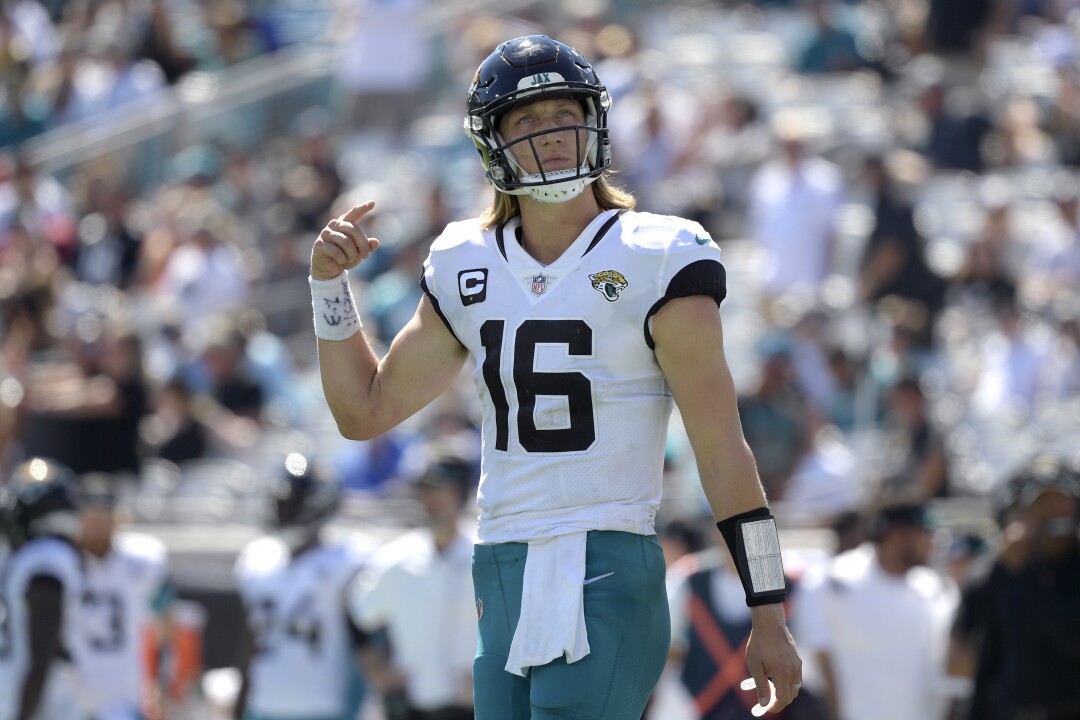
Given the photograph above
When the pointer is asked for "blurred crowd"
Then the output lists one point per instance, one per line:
(895, 185)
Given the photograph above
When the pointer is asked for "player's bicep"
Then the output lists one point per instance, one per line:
(689, 348)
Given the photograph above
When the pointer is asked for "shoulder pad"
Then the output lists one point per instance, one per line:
(141, 546)
(458, 233)
(649, 231)
(48, 556)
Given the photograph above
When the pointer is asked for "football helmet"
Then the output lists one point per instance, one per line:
(41, 498)
(303, 498)
(527, 69)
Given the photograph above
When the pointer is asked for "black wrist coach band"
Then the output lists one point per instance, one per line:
(755, 546)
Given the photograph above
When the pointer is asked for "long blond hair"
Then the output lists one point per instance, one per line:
(608, 197)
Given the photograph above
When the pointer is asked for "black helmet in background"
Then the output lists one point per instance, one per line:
(41, 499)
(302, 499)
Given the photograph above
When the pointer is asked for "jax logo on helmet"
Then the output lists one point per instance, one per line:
(544, 78)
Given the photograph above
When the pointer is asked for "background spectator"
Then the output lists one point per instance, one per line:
(999, 650)
(419, 592)
(845, 602)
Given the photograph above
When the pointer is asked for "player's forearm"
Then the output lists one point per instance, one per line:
(45, 599)
(348, 369)
(726, 466)
(33, 687)
(30, 698)
(689, 347)
(729, 476)
(772, 613)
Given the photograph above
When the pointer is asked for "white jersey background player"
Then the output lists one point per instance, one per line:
(126, 590)
(301, 660)
(40, 587)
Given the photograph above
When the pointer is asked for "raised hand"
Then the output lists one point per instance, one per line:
(342, 244)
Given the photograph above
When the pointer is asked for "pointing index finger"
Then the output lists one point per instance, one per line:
(357, 212)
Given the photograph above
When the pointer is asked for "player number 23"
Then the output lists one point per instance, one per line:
(577, 337)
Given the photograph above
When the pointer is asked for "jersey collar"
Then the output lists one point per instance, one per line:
(593, 233)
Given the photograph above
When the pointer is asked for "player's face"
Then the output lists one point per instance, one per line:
(555, 150)
(920, 545)
(441, 504)
(97, 525)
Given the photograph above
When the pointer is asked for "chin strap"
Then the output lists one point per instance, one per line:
(755, 547)
(555, 192)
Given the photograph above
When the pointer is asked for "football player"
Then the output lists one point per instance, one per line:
(125, 600)
(40, 589)
(301, 659)
(585, 320)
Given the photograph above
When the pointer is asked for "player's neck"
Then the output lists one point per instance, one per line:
(98, 553)
(547, 229)
(444, 533)
(892, 562)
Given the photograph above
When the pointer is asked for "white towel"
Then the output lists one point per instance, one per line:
(552, 620)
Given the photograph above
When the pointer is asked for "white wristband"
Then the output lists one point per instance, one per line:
(335, 311)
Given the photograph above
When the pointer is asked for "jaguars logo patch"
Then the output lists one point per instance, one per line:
(609, 283)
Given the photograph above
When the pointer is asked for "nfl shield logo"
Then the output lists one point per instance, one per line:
(539, 284)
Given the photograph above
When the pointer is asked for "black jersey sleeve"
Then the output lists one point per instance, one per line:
(700, 277)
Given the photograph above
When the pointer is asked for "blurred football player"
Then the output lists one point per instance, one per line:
(40, 590)
(419, 591)
(301, 659)
(125, 600)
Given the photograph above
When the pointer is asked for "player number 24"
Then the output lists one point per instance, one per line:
(301, 624)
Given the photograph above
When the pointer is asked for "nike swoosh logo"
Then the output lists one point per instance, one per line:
(598, 577)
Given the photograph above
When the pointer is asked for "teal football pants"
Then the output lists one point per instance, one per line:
(626, 616)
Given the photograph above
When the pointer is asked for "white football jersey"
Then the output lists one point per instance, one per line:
(118, 594)
(58, 559)
(301, 662)
(565, 366)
